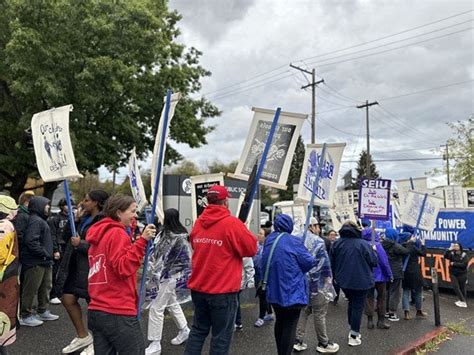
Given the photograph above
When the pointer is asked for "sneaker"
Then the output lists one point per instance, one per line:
(358, 335)
(420, 314)
(78, 343)
(47, 316)
(329, 348)
(300, 346)
(182, 336)
(88, 351)
(268, 318)
(30, 321)
(55, 300)
(259, 322)
(154, 348)
(354, 341)
(387, 314)
(239, 327)
(393, 317)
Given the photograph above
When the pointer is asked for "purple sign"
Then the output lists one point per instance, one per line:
(374, 199)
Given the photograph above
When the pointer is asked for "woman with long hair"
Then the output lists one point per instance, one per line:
(168, 272)
(114, 261)
(458, 266)
(74, 269)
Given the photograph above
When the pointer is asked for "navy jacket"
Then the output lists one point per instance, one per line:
(352, 260)
(37, 246)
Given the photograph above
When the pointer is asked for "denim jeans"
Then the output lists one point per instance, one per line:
(216, 312)
(355, 308)
(115, 334)
(418, 298)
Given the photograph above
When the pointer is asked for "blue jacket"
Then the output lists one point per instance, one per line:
(352, 260)
(382, 272)
(286, 284)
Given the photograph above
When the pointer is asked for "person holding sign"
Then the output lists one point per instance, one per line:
(458, 271)
(114, 262)
(219, 241)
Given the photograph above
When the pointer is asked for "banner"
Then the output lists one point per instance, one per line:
(328, 180)
(410, 212)
(52, 143)
(451, 226)
(453, 196)
(159, 205)
(280, 156)
(374, 198)
(136, 184)
(199, 186)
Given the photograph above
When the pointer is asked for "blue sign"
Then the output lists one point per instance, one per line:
(452, 226)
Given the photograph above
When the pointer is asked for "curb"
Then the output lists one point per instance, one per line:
(410, 348)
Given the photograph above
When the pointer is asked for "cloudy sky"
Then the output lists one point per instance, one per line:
(414, 57)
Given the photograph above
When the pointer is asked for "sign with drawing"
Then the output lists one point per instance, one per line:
(53, 149)
(200, 184)
(278, 163)
(374, 198)
(414, 210)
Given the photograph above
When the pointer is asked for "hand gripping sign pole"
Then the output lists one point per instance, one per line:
(254, 178)
(405, 263)
(151, 217)
(315, 189)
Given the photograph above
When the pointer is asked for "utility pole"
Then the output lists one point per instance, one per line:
(447, 161)
(313, 85)
(367, 105)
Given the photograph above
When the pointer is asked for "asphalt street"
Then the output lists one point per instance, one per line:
(51, 337)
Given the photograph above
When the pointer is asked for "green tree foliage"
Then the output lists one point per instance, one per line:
(186, 167)
(219, 167)
(113, 60)
(295, 171)
(362, 169)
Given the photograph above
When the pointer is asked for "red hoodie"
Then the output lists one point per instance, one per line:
(113, 265)
(219, 241)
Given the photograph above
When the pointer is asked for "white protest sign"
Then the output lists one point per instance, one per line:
(410, 212)
(199, 186)
(298, 213)
(341, 214)
(328, 179)
(52, 143)
(374, 199)
(404, 185)
(136, 184)
(454, 196)
(156, 151)
(278, 163)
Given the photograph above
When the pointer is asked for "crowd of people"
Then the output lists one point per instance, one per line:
(295, 276)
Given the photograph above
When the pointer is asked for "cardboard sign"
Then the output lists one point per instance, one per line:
(411, 211)
(374, 198)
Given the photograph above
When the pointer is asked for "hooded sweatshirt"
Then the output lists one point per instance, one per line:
(219, 241)
(382, 272)
(395, 252)
(37, 245)
(113, 262)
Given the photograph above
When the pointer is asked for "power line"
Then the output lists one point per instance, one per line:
(392, 160)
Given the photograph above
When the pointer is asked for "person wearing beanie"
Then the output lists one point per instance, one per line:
(396, 253)
(458, 266)
(287, 260)
(72, 280)
(351, 255)
(9, 267)
(219, 242)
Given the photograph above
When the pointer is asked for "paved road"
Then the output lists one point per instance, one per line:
(53, 336)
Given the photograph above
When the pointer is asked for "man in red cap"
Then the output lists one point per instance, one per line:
(219, 241)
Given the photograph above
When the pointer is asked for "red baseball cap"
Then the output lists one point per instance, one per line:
(217, 193)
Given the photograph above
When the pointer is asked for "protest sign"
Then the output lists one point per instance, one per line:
(453, 195)
(52, 143)
(280, 154)
(200, 184)
(374, 198)
(341, 214)
(324, 195)
(412, 210)
(469, 197)
(136, 184)
(404, 185)
(297, 212)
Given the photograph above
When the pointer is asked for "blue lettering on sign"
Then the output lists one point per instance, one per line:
(327, 174)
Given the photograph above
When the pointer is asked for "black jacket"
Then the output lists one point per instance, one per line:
(396, 253)
(460, 262)
(75, 262)
(57, 224)
(21, 222)
(37, 245)
(412, 277)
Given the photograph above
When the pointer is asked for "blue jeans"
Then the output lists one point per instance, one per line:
(418, 299)
(212, 311)
(115, 334)
(355, 309)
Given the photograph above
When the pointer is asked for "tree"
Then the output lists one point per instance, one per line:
(362, 169)
(295, 171)
(186, 167)
(218, 167)
(461, 154)
(113, 60)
